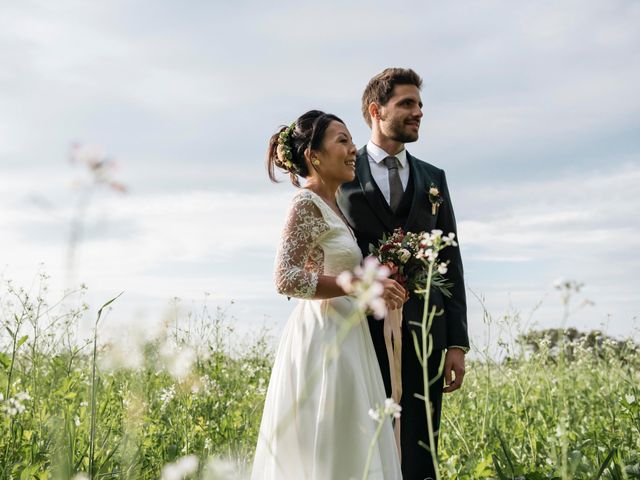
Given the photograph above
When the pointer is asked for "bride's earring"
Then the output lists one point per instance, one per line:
(315, 161)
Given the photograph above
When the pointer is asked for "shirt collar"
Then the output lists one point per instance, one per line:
(378, 155)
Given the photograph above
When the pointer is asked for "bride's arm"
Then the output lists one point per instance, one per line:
(304, 226)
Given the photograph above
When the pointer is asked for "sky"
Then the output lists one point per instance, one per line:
(531, 108)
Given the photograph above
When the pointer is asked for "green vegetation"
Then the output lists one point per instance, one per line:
(518, 417)
(554, 405)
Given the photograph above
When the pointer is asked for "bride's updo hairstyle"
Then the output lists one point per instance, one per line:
(287, 146)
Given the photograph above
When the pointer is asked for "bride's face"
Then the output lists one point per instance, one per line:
(337, 157)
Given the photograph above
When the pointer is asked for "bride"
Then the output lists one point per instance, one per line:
(325, 378)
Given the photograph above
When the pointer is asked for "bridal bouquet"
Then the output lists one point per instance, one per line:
(408, 256)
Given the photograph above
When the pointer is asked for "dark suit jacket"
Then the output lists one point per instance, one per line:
(369, 215)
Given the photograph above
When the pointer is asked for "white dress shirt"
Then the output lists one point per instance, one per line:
(379, 170)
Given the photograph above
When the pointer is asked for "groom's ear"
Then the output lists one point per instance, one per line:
(374, 111)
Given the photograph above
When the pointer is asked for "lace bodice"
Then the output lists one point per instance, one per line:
(315, 241)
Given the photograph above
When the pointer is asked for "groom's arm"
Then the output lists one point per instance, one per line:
(455, 306)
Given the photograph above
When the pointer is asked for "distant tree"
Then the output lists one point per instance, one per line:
(596, 342)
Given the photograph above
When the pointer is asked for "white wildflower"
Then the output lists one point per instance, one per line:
(430, 254)
(367, 286)
(375, 415)
(217, 469)
(91, 155)
(13, 405)
(177, 360)
(442, 268)
(630, 399)
(449, 240)
(436, 241)
(345, 280)
(208, 444)
(568, 286)
(207, 384)
(76, 420)
(181, 468)
(389, 408)
(126, 352)
(166, 395)
(180, 364)
(392, 408)
(23, 396)
(558, 283)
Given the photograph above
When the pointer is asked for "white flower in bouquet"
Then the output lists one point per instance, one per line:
(404, 255)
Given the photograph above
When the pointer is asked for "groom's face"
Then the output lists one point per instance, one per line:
(399, 118)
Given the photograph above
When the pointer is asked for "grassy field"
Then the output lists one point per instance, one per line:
(190, 399)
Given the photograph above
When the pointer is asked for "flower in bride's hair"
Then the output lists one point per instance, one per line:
(284, 156)
(365, 284)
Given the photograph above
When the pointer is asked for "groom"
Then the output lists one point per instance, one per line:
(391, 190)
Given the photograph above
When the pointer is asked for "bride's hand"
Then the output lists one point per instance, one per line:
(393, 295)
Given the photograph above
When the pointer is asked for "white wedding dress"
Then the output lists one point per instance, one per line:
(315, 424)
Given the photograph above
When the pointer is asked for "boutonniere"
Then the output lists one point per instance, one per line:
(435, 197)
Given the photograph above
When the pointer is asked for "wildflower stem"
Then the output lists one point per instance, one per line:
(92, 433)
(564, 415)
(427, 320)
(14, 347)
(374, 440)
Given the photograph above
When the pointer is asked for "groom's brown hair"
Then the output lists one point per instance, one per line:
(380, 88)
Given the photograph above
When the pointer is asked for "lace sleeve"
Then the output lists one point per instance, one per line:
(304, 226)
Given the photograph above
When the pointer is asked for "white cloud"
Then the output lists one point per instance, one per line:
(544, 90)
(515, 240)
(520, 236)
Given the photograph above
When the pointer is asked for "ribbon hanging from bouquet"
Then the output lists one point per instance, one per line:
(393, 342)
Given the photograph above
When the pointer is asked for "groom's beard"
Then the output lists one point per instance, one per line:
(398, 133)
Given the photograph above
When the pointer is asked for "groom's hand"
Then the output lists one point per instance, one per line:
(453, 362)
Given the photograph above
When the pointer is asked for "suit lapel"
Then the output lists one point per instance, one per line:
(419, 214)
(371, 190)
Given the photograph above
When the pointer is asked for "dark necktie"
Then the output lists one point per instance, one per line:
(395, 184)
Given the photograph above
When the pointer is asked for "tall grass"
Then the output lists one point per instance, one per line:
(192, 390)
(152, 406)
